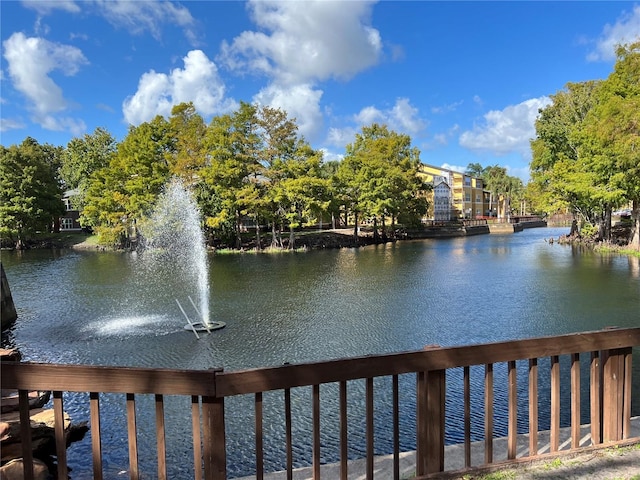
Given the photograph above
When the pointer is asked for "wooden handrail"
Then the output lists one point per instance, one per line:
(87, 378)
(609, 389)
(305, 374)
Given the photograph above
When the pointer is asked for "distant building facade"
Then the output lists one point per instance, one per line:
(70, 221)
(455, 195)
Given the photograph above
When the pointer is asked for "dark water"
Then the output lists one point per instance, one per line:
(102, 308)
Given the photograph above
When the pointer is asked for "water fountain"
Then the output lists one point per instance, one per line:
(175, 245)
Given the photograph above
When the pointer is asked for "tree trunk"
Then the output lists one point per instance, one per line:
(574, 228)
(274, 235)
(606, 223)
(238, 237)
(635, 218)
(292, 238)
(355, 227)
(258, 239)
(384, 230)
(376, 236)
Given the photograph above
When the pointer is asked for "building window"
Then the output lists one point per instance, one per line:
(66, 223)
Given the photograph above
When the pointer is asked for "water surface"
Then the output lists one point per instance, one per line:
(106, 309)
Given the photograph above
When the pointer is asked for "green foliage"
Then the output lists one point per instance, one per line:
(82, 157)
(378, 178)
(589, 231)
(30, 193)
(249, 164)
(504, 189)
(122, 194)
(586, 155)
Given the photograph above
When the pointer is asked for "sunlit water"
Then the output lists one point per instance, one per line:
(96, 308)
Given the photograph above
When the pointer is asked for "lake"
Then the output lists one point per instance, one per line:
(106, 309)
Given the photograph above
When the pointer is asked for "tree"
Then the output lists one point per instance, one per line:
(611, 136)
(555, 165)
(30, 192)
(231, 180)
(585, 154)
(123, 194)
(82, 157)
(503, 188)
(378, 178)
(187, 129)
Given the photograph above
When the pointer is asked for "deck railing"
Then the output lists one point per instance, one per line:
(607, 354)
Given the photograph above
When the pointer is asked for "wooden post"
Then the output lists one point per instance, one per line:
(215, 448)
(430, 397)
(613, 394)
(435, 413)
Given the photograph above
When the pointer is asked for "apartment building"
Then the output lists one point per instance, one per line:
(455, 195)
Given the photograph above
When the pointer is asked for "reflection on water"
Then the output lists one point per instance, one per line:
(95, 308)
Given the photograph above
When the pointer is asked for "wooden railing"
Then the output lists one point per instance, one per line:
(608, 353)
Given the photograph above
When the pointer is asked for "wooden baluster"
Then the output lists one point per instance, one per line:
(25, 434)
(626, 406)
(197, 437)
(316, 432)
(132, 436)
(96, 444)
(259, 437)
(421, 422)
(396, 427)
(344, 446)
(596, 399)
(161, 438)
(61, 441)
(575, 400)
(555, 404)
(369, 422)
(467, 416)
(488, 413)
(533, 407)
(512, 429)
(288, 432)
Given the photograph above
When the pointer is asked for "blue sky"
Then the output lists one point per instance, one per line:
(464, 79)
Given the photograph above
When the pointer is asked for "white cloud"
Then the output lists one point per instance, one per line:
(136, 17)
(339, 137)
(297, 45)
(329, 156)
(405, 118)
(306, 41)
(64, 124)
(369, 115)
(625, 30)
(140, 17)
(299, 101)
(30, 62)
(45, 7)
(7, 124)
(402, 117)
(198, 82)
(506, 131)
(452, 107)
(455, 168)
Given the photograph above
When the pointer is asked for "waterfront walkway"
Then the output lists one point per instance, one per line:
(615, 463)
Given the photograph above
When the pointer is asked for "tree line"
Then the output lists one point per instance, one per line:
(250, 164)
